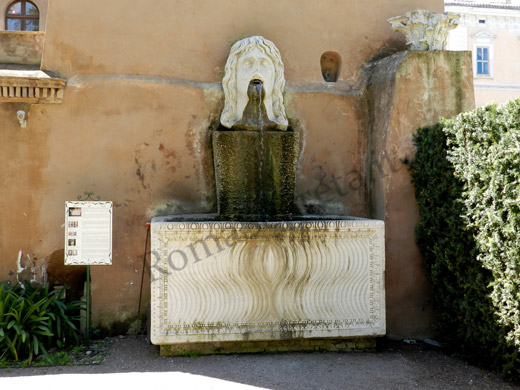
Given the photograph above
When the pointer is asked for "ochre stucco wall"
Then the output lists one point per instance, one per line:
(143, 91)
(190, 39)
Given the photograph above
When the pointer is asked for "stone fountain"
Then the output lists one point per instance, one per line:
(256, 159)
(258, 275)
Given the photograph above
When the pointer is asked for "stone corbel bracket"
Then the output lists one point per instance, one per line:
(33, 87)
(425, 30)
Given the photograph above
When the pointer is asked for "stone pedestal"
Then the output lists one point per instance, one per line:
(408, 82)
(255, 174)
(215, 282)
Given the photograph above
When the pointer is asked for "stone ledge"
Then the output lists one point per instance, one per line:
(295, 345)
(30, 86)
(21, 47)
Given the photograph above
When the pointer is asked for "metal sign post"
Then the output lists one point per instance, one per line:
(88, 240)
(87, 315)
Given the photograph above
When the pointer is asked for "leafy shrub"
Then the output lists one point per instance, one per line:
(33, 320)
(466, 174)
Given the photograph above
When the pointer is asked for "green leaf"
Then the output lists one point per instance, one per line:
(36, 343)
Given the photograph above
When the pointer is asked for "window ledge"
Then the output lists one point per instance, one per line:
(30, 86)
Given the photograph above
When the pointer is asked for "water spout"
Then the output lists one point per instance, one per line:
(255, 114)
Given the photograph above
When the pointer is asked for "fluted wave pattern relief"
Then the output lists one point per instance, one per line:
(225, 281)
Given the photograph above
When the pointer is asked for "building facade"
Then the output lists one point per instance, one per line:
(119, 98)
(491, 30)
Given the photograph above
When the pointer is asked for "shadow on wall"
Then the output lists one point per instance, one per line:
(51, 270)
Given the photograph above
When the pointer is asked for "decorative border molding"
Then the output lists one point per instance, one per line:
(484, 34)
(491, 86)
(159, 224)
(495, 18)
(23, 89)
(338, 88)
(481, 5)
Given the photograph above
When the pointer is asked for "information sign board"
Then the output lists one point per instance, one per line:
(88, 233)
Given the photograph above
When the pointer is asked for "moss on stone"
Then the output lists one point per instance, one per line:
(255, 174)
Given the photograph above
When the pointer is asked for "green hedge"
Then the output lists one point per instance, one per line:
(466, 174)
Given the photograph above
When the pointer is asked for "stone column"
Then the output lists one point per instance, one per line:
(407, 91)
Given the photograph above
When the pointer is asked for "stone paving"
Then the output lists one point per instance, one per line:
(132, 363)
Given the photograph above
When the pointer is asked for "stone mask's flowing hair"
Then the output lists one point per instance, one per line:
(229, 82)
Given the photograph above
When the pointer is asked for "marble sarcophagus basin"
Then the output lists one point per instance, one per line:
(216, 281)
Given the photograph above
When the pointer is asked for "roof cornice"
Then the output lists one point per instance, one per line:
(482, 5)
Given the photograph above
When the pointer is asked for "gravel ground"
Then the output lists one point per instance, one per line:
(133, 363)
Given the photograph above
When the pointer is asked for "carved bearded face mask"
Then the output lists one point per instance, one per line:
(253, 58)
(255, 65)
